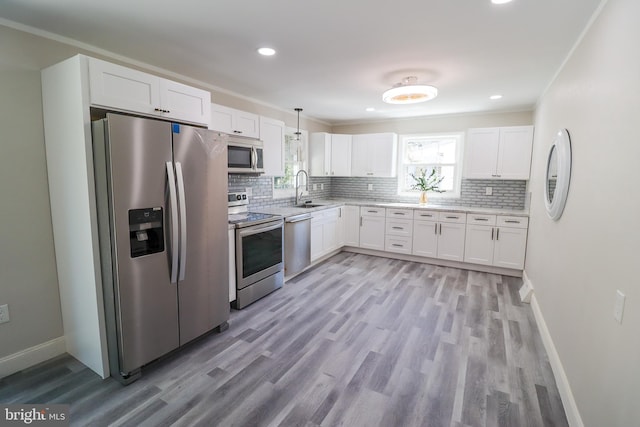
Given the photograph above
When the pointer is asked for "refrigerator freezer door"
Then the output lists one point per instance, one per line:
(146, 301)
(203, 294)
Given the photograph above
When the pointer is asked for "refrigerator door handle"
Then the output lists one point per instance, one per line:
(173, 201)
(183, 221)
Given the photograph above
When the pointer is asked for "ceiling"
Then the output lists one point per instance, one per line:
(335, 57)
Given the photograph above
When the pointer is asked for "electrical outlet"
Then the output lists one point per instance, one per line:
(370, 187)
(4, 313)
(618, 308)
(315, 187)
(488, 191)
(249, 191)
(322, 186)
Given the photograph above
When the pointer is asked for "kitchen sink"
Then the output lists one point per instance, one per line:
(308, 205)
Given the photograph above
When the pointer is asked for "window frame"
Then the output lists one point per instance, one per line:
(284, 193)
(458, 166)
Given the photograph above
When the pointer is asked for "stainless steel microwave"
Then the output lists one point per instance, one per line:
(245, 155)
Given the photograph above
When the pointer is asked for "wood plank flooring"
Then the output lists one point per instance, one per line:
(356, 341)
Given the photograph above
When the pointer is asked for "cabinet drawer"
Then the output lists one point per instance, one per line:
(424, 215)
(399, 227)
(452, 217)
(513, 221)
(399, 213)
(399, 244)
(479, 219)
(370, 211)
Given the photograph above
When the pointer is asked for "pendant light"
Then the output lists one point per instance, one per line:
(409, 92)
(297, 133)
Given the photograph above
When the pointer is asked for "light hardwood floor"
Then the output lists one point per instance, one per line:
(356, 341)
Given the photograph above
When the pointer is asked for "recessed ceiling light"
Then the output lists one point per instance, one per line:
(500, 1)
(369, 109)
(494, 97)
(266, 51)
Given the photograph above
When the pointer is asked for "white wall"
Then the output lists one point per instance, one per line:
(27, 265)
(577, 263)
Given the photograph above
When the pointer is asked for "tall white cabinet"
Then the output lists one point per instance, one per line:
(69, 89)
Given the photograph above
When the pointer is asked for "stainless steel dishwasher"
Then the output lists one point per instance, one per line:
(297, 243)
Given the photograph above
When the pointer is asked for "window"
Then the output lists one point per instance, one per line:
(295, 156)
(442, 152)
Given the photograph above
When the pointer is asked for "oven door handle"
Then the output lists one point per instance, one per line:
(256, 229)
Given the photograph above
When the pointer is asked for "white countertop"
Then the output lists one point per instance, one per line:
(289, 211)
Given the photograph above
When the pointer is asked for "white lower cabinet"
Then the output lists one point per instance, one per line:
(325, 232)
(439, 234)
(398, 230)
(372, 228)
(501, 242)
(351, 225)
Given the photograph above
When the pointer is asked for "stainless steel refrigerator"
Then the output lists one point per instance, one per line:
(161, 191)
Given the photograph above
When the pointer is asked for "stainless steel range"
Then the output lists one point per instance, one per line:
(259, 250)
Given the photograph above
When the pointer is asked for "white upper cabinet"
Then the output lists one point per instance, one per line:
(341, 155)
(235, 122)
(499, 153)
(330, 154)
(121, 88)
(272, 133)
(374, 154)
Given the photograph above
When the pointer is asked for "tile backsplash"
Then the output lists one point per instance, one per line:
(506, 194)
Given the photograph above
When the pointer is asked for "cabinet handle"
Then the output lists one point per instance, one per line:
(399, 213)
(398, 228)
(492, 230)
(372, 211)
(340, 213)
(512, 221)
(441, 229)
(360, 221)
(160, 110)
(332, 173)
(481, 219)
(436, 228)
(425, 215)
(237, 131)
(369, 173)
(497, 234)
(452, 217)
(397, 245)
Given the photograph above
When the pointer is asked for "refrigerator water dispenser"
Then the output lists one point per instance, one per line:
(146, 234)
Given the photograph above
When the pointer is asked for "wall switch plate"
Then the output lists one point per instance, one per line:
(618, 309)
(315, 187)
(249, 191)
(488, 191)
(4, 313)
(369, 187)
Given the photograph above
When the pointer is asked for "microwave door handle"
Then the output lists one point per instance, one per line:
(254, 158)
(183, 220)
(173, 205)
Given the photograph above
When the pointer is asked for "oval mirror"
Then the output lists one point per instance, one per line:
(556, 187)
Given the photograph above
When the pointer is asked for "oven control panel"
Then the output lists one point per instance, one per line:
(237, 198)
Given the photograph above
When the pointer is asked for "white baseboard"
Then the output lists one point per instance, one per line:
(31, 356)
(568, 401)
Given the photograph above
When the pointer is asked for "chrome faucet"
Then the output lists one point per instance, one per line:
(299, 194)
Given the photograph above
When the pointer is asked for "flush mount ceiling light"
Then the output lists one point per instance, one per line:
(409, 92)
(500, 1)
(266, 51)
(495, 97)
